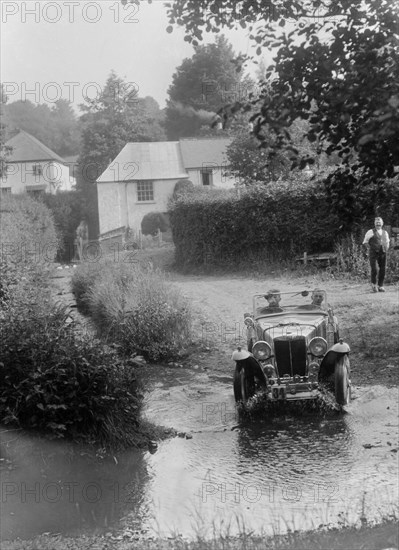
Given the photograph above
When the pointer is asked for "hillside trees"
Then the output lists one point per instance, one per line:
(56, 126)
(336, 66)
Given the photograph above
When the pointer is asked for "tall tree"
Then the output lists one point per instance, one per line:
(336, 66)
(66, 137)
(111, 120)
(200, 86)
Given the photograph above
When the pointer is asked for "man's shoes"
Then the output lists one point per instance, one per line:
(381, 289)
(374, 288)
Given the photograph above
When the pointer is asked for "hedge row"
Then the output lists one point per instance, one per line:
(271, 222)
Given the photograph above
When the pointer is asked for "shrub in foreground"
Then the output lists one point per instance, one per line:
(135, 308)
(63, 383)
(28, 241)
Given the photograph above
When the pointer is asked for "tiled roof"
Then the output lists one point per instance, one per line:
(26, 148)
(156, 160)
(201, 152)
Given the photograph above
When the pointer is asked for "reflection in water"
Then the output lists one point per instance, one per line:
(58, 487)
(273, 474)
(264, 475)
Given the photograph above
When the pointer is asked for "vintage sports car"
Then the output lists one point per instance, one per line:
(294, 350)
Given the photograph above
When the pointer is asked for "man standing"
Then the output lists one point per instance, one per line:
(377, 240)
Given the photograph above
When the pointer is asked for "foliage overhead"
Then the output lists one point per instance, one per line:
(337, 66)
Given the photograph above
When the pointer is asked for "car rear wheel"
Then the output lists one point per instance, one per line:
(342, 381)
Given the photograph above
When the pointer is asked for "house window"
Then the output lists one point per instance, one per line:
(37, 170)
(6, 190)
(145, 191)
(206, 176)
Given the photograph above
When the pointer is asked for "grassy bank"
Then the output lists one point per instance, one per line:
(134, 308)
(55, 378)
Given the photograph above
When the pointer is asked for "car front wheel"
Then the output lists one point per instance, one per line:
(244, 385)
(342, 381)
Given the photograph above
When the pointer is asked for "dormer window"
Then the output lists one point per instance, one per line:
(206, 176)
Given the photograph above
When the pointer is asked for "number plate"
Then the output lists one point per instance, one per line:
(279, 393)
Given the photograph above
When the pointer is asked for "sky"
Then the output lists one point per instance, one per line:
(67, 48)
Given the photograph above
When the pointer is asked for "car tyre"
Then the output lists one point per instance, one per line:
(249, 379)
(342, 381)
(244, 385)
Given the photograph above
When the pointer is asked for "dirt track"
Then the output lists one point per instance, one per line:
(219, 303)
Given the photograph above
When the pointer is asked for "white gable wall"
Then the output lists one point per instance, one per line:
(163, 190)
(109, 206)
(118, 205)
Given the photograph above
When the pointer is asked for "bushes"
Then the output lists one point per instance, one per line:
(182, 188)
(67, 210)
(53, 378)
(275, 222)
(62, 383)
(134, 308)
(352, 261)
(154, 222)
(28, 234)
(28, 241)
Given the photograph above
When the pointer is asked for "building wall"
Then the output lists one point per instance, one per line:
(163, 190)
(219, 179)
(20, 177)
(118, 205)
(109, 206)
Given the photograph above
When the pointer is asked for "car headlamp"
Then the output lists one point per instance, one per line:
(261, 350)
(270, 371)
(313, 370)
(318, 346)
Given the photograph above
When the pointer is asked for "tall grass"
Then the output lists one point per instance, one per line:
(55, 379)
(352, 261)
(134, 307)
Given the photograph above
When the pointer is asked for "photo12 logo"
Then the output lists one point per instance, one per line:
(74, 92)
(70, 11)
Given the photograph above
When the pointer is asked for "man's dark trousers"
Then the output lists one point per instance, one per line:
(378, 259)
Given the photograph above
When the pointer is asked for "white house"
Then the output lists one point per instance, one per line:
(34, 168)
(141, 179)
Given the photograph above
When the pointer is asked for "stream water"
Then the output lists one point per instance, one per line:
(227, 475)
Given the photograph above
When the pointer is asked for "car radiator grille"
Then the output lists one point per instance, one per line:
(290, 355)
